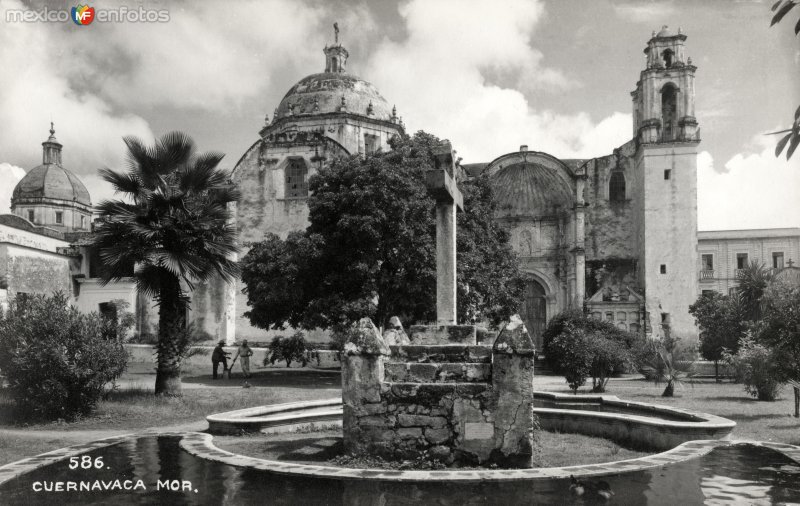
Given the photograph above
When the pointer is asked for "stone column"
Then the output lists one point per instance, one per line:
(446, 263)
(512, 390)
(442, 185)
(362, 375)
(580, 240)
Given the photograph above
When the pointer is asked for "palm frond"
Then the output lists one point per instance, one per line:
(127, 182)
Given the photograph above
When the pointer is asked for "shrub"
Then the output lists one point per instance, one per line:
(576, 319)
(289, 349)
(57, 360)
(581, 347)
(668, 361)
(571, 355)
(758, 368)
(582, 355)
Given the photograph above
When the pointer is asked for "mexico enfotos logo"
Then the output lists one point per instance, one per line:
(84, 15)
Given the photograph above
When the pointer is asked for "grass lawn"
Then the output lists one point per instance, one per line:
(133, 407)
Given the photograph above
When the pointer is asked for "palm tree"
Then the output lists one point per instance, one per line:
(753, 280)
(173, 229)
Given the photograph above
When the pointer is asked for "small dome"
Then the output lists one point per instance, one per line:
(51, 181)
(322, 94)
(530, 189)
(665, 32)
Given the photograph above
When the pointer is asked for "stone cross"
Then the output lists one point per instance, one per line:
(441, 184)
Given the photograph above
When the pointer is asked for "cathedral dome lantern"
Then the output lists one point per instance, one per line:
(52, 195)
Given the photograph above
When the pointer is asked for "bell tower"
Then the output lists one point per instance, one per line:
(666, 138)
(663, 102)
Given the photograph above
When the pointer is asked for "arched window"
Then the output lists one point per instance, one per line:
(296, 178)
(669, 111)
(616, 187)
(668, 57)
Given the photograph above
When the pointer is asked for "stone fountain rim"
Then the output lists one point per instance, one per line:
(201, 445)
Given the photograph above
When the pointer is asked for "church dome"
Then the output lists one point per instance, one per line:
(50, 180)
(334, 91)
(530, 189)
(323, 93)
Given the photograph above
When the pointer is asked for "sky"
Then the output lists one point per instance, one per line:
(488, 75)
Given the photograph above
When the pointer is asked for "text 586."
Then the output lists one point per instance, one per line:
(85, 462)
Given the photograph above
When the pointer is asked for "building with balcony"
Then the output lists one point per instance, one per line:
(722, 253)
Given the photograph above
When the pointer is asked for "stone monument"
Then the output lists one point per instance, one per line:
(443, 396)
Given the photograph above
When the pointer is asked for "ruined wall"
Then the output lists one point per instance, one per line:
(611, 226)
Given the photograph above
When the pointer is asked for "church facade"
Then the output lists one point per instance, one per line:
(618, 233)
(614, 235)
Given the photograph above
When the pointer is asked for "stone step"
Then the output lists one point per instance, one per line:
(415, 372)
(442, 334)
(442, 353)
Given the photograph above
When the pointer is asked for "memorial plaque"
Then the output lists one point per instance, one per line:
(478, 430)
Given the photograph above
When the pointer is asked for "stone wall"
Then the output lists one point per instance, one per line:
(448, 399)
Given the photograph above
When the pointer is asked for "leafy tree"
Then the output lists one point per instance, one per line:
(369, 249)
(721, 320)
(172, 230)
(780, 330)
(792, 137)
(753, 280)
(57, 360)
(289, 349)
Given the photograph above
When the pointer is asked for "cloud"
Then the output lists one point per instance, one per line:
(438, 75)
(756, 190)
(9, 177)
(200, 59)
(34, 89)
(645, 12)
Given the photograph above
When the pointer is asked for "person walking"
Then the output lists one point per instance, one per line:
(218, 356)
(245, 353)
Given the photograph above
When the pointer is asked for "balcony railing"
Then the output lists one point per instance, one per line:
(707, 274)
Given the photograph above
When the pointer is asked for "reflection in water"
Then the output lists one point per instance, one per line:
(740, 474)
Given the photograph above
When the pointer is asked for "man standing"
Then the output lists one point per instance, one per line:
(245, 352)
(219, 356)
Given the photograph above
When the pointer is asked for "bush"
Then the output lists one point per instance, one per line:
(57, 360)
(582, 355)
(572, 340)
(576, 319)
(289, 349)
(758, 368)
(574, 360)
(668, 361)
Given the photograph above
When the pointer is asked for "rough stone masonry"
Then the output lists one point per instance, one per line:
(448, 399)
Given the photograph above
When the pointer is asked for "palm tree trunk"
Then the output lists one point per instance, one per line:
(670, 390)
(796, 401)
(171, 321)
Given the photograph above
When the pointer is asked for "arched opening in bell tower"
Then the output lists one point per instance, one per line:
(669, 111)
(668, 56)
